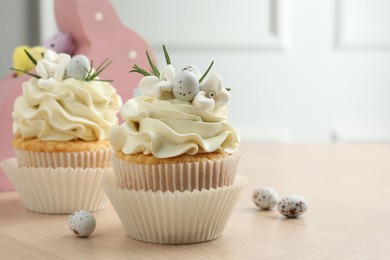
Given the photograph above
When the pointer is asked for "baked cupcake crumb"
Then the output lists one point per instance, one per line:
(184, 158)
(36, 145)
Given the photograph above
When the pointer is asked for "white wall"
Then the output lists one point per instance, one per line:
(18, 26)
(304, 70)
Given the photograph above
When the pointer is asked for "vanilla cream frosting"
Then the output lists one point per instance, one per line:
(68, 110)
(171, 127)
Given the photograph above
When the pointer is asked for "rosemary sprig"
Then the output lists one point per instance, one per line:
(26, 72)
(92, 75)
(139, 70)
(168, 60)
(103, 66)
(153, 67)
(207, 71)
(30, 57)
(89, 71)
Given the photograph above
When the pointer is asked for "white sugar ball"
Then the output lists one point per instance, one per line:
(265, 198)
(82, 223)
(292, 206)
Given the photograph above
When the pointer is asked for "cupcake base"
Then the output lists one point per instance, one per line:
(174, 218)
(77, 153)
(87, 159)
(57, 190)
(175, 174)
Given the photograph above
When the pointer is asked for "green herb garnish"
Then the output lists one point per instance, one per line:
(207, 71)
(139, 70)
(26, 72)
(168, 60)
(154, 71)
(92, 75)
(30, 57)
(153, 67)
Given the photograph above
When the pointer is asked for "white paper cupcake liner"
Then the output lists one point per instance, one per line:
(59, 190)
(174, 218)
(85, 159)
(175, 177)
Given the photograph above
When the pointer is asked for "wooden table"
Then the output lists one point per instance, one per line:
(347, 187)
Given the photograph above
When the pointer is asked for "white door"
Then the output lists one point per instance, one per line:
(303, 70)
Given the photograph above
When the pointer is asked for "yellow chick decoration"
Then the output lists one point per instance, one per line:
(21, 60)
(38, 52)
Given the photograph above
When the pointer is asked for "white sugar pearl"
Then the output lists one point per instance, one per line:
(77, 67)
(265, 198)
(292, 206)
(82, 223)
(185, 86)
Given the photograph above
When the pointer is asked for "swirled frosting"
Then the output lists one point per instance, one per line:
(70, 109)
(171, 127)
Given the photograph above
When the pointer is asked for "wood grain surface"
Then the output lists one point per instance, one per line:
(346, 185)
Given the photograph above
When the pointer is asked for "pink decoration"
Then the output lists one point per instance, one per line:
(98, 34)
(10, 88)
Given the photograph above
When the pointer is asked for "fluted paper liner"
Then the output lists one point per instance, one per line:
(57, 190)
(176, 177)
(174, 218)
(85, 159)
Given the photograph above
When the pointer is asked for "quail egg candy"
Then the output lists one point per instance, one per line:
(292, 206)
(60, 43)
(193, 69)
(185, 86)
(77, 67)
(265, 198)
(82, 223)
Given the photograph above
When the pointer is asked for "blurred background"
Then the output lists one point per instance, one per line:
(300, 71)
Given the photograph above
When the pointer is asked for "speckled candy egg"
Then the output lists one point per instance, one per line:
(82, 223)
(77, 67)
(194, 70)
(60, 43)
(185, 86)
(292, 206)
(265, 198)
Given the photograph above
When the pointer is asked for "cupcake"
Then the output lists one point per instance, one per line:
(64, 115)
(175, 135)
(174, 149)
(61, 125)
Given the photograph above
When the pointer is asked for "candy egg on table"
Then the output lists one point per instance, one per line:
(82, 223)
(185, 86)
(78, 67)
(292, 206)
(194, 70)
(265, 198)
